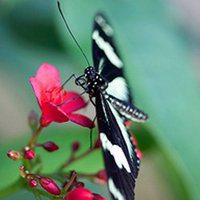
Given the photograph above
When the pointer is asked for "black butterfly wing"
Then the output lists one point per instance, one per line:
(121, 161)
(109, 65)
(107, 61)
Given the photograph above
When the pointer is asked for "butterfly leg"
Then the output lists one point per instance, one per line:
(72, 76)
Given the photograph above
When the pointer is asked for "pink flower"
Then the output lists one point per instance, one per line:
(53, 99)
(83, 194)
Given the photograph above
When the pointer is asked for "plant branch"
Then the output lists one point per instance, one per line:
(73, 158)
(34, 137)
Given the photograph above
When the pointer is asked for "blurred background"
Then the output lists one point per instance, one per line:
(159, 41)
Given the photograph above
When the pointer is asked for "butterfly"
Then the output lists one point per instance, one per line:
(109, 92)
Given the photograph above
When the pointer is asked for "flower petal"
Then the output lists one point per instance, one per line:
(73, 104)
(52, 113)
(81, 120)
(49, 76)
(38, 90)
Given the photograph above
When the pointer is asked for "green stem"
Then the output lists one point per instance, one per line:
(88, 176)
(34, 137)
(16, 186)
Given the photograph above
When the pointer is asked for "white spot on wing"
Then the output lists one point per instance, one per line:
(101, 65)
(123, 130)
(107, 48)
(106, 27)
(116, 152)
(114, 191)
(118, 88)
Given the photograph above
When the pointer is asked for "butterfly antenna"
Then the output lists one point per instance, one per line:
(70, 32)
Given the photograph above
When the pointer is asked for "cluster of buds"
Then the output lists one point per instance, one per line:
(34, 180)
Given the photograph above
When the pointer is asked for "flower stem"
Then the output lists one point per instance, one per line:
(88, 176)
(67, 186)
(34, 136)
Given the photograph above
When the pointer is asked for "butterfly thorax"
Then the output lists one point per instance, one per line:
(95, 82)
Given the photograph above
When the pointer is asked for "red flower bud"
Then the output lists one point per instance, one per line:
(80, 184)
(101, 177)
(82, 194)
(50, 146)
(33, 183)
(75, 146)
(49, 185)
(14, 155)
(79, 193)
(29, 154)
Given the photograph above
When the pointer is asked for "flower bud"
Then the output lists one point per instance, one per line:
(101, 177)
(50, 146)
(75, 146)
(29, 154)
(79, 193)
(33, 183)
(80, 184)
(14, 155)
(33, 120)
(49, 185)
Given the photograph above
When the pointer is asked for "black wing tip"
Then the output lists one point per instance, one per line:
(100, 14)
(101, 23)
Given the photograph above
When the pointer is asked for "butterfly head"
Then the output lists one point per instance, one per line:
(95, 81)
